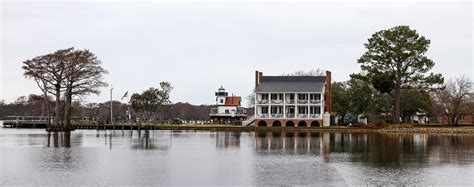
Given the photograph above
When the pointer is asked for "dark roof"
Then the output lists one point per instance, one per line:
(292, 79)
(291, 84)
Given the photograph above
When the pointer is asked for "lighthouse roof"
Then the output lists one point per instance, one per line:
(232, 101)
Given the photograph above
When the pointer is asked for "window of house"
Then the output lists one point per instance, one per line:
(302, 97)
(274, 96)
(302, 110)
(273, 110)
(315, 96)
(265, 110)
(290, 110)
(264, 96)
(227, 111)
(292, 96)
(315, 110)
(222, 101)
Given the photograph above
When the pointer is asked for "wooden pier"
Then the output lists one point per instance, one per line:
(25, 122)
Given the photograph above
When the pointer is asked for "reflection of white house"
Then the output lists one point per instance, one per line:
(227, 108)
(292, 100)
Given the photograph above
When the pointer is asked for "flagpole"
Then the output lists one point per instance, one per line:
(111, 107)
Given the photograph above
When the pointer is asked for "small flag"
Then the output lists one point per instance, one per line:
(125, 95)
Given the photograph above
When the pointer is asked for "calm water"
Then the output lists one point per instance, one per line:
(90, 157)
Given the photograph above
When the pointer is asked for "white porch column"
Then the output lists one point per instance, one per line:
(321, 109)
(309, 104)
(270, 105)
(255, 105)
(284, 105)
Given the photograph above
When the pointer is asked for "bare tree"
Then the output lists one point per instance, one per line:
(251, 99)
(48, 72)
(83, 76)
(454, 101)
(311, 72)
(75, 72)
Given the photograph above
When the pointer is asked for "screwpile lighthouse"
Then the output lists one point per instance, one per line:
(228, 109)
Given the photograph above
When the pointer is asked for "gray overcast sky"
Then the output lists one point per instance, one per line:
(200, 46)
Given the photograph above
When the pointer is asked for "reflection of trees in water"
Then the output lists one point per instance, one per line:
(145, 139)
(289, 142)
(294, 158)
(227, 139)
(377, 148)
(138, 139)
(69, 160)
(453, 148)
(59, 139)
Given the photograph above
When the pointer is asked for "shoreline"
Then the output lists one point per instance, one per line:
(235, 128)
(433, 130)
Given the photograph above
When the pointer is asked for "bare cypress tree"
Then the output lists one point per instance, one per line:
(74, 72)
(48, 72)
(84, 76)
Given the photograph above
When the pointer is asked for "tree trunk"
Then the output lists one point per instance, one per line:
(67, 110)
(46, 102)
(57, 106)
(456, 120)
(396, 118)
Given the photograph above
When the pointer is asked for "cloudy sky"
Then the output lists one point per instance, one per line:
(199, 46)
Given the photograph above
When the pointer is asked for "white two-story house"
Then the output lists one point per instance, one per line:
(296, 101)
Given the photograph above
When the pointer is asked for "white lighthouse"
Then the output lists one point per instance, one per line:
(221, 95)
(227, 108)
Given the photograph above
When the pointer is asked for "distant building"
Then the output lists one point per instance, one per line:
(227, 108)
(291, 100)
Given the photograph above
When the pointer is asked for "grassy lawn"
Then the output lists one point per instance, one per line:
(229, 127)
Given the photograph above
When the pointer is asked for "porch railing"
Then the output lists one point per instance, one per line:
(302, 101)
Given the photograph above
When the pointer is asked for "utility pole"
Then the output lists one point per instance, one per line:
(111, 107)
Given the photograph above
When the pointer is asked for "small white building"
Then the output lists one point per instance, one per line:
(228, 109)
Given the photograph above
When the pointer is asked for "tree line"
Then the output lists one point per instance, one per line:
(34, 105)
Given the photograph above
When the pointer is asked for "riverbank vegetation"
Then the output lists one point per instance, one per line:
(396, 84)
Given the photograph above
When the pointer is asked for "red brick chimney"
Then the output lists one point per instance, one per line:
(258, 77)
(328, 92)
(257, 81)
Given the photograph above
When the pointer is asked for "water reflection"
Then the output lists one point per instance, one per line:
(176, 158)
(227, 139)
(379, 148)
(62, 139)
(375, 148)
